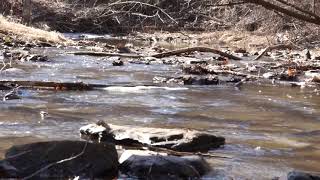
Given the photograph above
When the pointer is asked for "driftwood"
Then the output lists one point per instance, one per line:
(50, 85)
(66, 86)
(270, 48)
(160, 55)
(192, 49)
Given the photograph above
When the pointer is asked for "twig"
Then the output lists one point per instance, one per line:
(55, 163)
(145, 4)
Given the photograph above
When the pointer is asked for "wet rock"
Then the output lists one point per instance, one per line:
(11, 95)
(195, 69)
(313, 74)
(35, 58)
(295, 175)
(60, 159)
(153, 165)
(288, 76)
(158, 79)
(191, 60)
(146, 61)
(199, 80)
(169, 61)
(175, 139)
(252, 68)
(240, 50)
(269, 75)
(117, 62)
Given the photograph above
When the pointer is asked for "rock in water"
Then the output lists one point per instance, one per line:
(153, 165)
(175, 139)
(117, 63)
(295, 175)
(60, 159)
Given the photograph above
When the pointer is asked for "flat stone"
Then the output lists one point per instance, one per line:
(153, 165)
(60, 159)
(175, 139)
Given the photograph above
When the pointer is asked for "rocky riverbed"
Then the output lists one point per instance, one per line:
(252, 118)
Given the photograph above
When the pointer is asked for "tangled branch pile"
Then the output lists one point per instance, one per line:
(126, 15)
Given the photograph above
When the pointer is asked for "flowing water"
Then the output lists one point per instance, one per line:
(269, 130)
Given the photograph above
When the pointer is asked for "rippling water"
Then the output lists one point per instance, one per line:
(269, 130)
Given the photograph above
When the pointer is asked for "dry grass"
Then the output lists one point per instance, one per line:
(250, 41)
(29, 34)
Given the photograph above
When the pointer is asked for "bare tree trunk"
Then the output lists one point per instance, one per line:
(27, 11)
(269, 5)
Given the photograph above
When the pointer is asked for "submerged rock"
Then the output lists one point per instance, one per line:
(60, 159)
(153, 165)
(175, 139)
(295, 175)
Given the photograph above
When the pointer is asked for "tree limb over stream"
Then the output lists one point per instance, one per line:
(288, 9)
(160, 55)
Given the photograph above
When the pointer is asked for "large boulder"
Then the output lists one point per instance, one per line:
(60, 159)
(295, 175)
(175, 139)
(153, 165)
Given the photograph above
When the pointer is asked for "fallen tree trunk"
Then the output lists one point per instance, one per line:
(193, 49)
(160, 55)
(50, 85)
(298, 14)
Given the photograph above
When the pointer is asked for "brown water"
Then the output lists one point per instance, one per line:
(269, 130)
